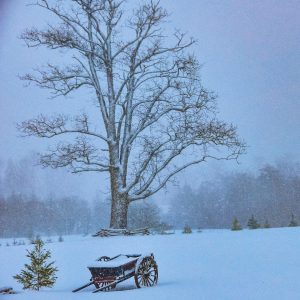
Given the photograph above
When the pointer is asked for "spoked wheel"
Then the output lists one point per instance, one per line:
(146, 273)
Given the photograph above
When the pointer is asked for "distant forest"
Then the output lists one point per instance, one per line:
(25, 213)
(271, 194)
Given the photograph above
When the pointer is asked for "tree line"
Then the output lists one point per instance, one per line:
(26, 210)
(28, 216)
(272, 194)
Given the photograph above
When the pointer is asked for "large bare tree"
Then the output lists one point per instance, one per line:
(157, 118)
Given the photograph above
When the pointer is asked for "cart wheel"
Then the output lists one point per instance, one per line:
(146, 273)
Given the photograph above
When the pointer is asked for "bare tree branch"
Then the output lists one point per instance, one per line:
(49, 127)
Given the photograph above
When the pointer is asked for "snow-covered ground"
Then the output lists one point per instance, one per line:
(214, 264)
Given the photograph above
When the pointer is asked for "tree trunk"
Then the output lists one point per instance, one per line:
(119, 210)
(119, 202)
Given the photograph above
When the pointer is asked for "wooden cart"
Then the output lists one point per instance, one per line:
(108, 272)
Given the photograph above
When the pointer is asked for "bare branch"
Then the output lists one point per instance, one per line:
(49, 127)
(78, 156)
(61, 81)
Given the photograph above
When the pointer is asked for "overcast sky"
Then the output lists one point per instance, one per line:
(250, 53)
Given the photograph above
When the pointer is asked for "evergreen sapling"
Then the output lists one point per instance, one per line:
(293, 222)
(236, 225)
(187, 229)
(252, 223)
(39, 273)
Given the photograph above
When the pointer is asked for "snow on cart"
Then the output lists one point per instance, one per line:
(108, 272)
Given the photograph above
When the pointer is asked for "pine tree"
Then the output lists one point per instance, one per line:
(267, 225)
(293, 222)
(39, 273)
(236, 225)
(252, 223)
(187, 229)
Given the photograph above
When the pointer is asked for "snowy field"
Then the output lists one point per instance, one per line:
(213, 264)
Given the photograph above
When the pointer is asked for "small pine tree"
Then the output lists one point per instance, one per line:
(39, 273)
(236, 225)
(267, 225)
(187, 229)
(34, 239)
(293, 222)
(60, 239)
(252, 223)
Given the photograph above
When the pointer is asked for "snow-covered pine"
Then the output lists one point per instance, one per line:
(293, 222)
(252, 223)
(236, 225)
(39, 273)
(187, 229)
